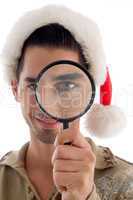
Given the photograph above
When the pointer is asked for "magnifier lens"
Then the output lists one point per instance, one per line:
(64, 91)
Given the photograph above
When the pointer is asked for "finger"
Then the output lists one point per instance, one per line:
(81, 142)
(72, 153)
(71, 166)
(68, 179)
(76, 138)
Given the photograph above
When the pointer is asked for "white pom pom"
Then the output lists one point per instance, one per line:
(104, 121)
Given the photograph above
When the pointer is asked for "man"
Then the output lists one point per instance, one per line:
(45, 168)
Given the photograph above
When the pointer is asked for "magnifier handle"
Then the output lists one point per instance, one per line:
(65, 124)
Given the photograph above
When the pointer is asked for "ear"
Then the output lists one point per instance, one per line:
(14, 86)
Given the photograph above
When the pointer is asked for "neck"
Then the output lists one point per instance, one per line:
(39, 156)
(39, 167)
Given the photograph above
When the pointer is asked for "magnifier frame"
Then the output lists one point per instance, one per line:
(59, 62)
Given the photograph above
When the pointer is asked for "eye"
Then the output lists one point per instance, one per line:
(32, 86)
(65, 86)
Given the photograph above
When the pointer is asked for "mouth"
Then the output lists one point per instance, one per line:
(46, 121)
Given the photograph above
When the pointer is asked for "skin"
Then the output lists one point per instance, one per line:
(48, 161)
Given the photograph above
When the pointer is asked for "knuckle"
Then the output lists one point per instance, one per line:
(56, 165)
(86, 164)
(59, 151)
(87, 167)
(56, 178)
(82, 181)
(94, 158)
(57, 154)
(90, 156)
(87, 153)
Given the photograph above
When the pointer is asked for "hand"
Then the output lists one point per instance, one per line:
(73, 165)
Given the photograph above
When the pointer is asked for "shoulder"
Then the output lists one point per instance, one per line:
(115, 181)
(6, 165)
(113, 175)
(11, 178)
(113, 167)
(11, 170)
(105, 159)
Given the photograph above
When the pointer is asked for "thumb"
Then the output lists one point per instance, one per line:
(67, 136)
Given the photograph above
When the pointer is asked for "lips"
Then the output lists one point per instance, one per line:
(47, 123)
(43, 118)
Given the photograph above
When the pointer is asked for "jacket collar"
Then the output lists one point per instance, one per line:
(104, 157)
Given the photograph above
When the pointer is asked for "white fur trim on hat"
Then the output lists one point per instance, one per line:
(84, 30)
(105, 121)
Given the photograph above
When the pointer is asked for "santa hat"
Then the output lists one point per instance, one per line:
(101, 118)
(104, 119)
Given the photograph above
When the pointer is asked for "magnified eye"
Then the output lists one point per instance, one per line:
(65, 86)
(32, 86)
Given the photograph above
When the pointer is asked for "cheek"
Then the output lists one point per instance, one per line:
(28, 101)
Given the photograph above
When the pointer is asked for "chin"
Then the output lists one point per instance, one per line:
(45, 134)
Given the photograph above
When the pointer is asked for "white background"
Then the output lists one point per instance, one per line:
(115, 19)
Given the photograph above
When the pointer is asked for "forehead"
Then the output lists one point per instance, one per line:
(36, 58)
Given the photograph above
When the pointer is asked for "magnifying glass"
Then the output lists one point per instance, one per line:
(65, 91)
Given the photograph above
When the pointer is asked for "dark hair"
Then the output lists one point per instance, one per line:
(51, 35)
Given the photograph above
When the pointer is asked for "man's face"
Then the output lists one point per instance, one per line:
(36, 58)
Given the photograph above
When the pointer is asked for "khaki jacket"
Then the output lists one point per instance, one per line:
(113, 177)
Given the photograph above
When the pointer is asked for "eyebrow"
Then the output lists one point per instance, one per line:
(30, 79)
(69, 76)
